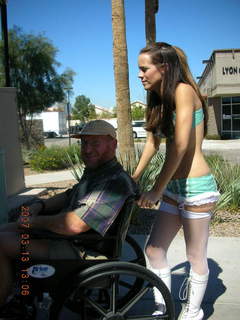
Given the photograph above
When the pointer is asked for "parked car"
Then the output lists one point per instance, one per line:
(138, 129)
(50, 134)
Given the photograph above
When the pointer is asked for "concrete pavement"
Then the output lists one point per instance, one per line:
(222, 299)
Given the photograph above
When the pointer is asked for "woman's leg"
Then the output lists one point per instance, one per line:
(163, 231)
(196, 232)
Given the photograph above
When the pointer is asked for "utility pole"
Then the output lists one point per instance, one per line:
(5, 41)
(68, 113)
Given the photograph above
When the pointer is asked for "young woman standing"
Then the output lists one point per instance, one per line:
(176, 110)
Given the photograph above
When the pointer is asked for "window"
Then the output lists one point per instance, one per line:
(231, 116)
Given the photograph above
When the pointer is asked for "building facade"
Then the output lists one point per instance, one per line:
(220, 84)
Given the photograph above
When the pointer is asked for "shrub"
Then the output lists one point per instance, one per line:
(213, 137)
(228, 180)
(74, 161)
(53, 158)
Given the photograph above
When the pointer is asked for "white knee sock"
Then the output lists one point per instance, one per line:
(165, 276)
(196, 291)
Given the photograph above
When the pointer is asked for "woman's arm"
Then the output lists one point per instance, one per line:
(177, 148)
(150, 148)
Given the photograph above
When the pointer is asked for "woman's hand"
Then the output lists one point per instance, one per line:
(148, 199)
(135, 177)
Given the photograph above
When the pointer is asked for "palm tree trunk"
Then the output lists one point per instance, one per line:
(124, 119)
(151, 8)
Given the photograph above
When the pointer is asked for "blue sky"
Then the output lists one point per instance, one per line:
(82, 32)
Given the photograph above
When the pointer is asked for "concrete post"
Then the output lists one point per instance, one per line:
(3, 193)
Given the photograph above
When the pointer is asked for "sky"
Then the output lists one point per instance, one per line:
(81, 30)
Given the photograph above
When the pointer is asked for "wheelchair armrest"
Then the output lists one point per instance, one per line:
(89, 235)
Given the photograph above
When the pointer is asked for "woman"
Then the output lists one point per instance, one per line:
(177, 110)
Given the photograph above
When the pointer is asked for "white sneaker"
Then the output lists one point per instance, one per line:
(186, 314)
(160, 310)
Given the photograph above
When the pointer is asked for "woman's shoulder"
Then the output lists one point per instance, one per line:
(185, 95)
(183, 89)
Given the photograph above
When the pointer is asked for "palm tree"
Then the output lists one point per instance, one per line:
(151, 8)
(121, 75)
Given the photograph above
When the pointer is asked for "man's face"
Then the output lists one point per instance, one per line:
(96, 150)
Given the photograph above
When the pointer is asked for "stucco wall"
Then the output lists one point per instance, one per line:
(214, 124)
(9, 141)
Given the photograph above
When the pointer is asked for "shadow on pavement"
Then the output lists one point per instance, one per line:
(214, 290)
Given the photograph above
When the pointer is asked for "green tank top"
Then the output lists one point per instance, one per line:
(198, 117)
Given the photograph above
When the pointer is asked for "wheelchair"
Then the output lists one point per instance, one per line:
(102, 286)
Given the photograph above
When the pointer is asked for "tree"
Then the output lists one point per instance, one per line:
(105, 115)
(138, 113)
(151, 8)
(83, 109)
(33, 73)
(121, 75)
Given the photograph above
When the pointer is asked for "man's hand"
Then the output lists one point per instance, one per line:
(35, 208)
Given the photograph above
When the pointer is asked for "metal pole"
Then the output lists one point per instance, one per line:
(68, 115)
(5, 41)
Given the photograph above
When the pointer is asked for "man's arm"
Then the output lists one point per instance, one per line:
(67, 223)
(53, 204)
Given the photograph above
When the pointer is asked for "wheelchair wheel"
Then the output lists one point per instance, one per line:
(135, 252)
(110, 276)
(135, 255)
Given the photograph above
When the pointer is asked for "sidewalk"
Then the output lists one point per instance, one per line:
(222, 299)
(42, 178)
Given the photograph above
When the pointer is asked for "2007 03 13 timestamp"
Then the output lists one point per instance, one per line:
(24, 251)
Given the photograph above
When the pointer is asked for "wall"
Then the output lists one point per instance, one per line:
(227, 70)
(214, 124)
(9, 141)
(53, 121)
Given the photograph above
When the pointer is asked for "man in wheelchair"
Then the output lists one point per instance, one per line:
(92, 204)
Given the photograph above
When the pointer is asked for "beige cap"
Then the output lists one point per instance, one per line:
(97, 127)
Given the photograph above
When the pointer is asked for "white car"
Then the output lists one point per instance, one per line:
(138, 129)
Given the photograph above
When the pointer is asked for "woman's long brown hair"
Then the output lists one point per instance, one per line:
(160, 108)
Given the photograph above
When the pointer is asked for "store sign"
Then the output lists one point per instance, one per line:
(226, 71)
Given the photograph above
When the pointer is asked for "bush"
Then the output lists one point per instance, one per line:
(213, 137)
(27, 154)
(74, 161)
(227, 176)
(53, 158)
(228, 180)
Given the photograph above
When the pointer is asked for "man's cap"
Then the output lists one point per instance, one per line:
(95, 128)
